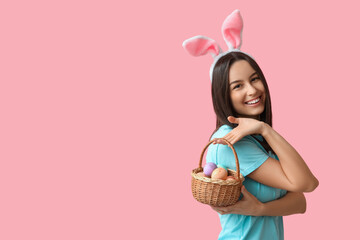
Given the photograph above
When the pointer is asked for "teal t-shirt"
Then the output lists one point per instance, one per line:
(251, 155)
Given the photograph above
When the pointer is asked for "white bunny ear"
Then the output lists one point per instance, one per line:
(200, 45)
(231, 30)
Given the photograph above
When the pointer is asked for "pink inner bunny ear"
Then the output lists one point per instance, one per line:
(231, 30)
(200, 45)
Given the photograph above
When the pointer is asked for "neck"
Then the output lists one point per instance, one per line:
(257, 117)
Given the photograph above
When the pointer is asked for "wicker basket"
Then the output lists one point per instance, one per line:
(214, 192)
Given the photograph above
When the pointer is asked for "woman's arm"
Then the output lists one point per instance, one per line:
(294, 167)
(291, 203)
(290, 172)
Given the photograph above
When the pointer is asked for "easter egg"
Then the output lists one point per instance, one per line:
(230, 178)
(222, 166)
(201, 174)
(209, 168)
(219, 173)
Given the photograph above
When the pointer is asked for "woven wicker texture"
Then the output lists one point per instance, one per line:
(215, 192)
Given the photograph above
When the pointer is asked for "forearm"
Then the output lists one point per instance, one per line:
(291, 203)
(294, 167)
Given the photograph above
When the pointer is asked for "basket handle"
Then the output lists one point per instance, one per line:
(232, 148)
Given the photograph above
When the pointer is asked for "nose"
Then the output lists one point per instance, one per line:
(251, 90)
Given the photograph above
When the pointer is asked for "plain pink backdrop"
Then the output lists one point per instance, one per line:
(104, 115)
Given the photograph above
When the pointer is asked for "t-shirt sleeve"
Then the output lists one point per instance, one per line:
(211, 154)
(250, 155)
(249, 152)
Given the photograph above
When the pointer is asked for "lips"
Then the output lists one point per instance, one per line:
(253, 101)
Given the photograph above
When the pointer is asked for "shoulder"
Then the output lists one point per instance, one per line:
(222, 131)
(212, 153)
(244, 147)
(248, 150)
(247, 140)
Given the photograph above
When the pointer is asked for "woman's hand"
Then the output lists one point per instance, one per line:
(248, 205)
(291, 203)
(246, 126)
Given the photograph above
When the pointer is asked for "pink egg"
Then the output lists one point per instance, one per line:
(219, 173)
(231, 178)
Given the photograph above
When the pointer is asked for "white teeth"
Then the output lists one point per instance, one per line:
(253, 101)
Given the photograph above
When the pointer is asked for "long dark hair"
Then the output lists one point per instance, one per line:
(220, 91)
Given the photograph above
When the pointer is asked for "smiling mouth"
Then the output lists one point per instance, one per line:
(254, 101)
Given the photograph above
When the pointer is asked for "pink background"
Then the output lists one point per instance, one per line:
(104, 115)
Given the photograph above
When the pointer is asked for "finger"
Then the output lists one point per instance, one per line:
(221, 209)
(221, 141)
(223, 212)
(229, 136)
(232, 139)
(217, 141)
(233, 120)
(244, 191)
(218, 210)
(226, 137)
(236, 137)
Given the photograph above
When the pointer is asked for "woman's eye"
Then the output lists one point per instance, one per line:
(254, 79)
(237, 86)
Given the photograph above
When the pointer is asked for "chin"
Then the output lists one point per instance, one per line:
(254, 116)
(252, 112)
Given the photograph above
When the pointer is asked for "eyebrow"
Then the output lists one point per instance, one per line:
(240, 80)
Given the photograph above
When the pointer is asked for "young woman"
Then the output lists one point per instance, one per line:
(275, 174)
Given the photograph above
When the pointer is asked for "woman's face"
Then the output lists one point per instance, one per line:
(247, 92)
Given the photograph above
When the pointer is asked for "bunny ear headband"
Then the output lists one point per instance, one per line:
(231, 31)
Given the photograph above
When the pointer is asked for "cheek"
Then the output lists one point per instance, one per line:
(261, 87)
(237, 99)
(263, 92)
